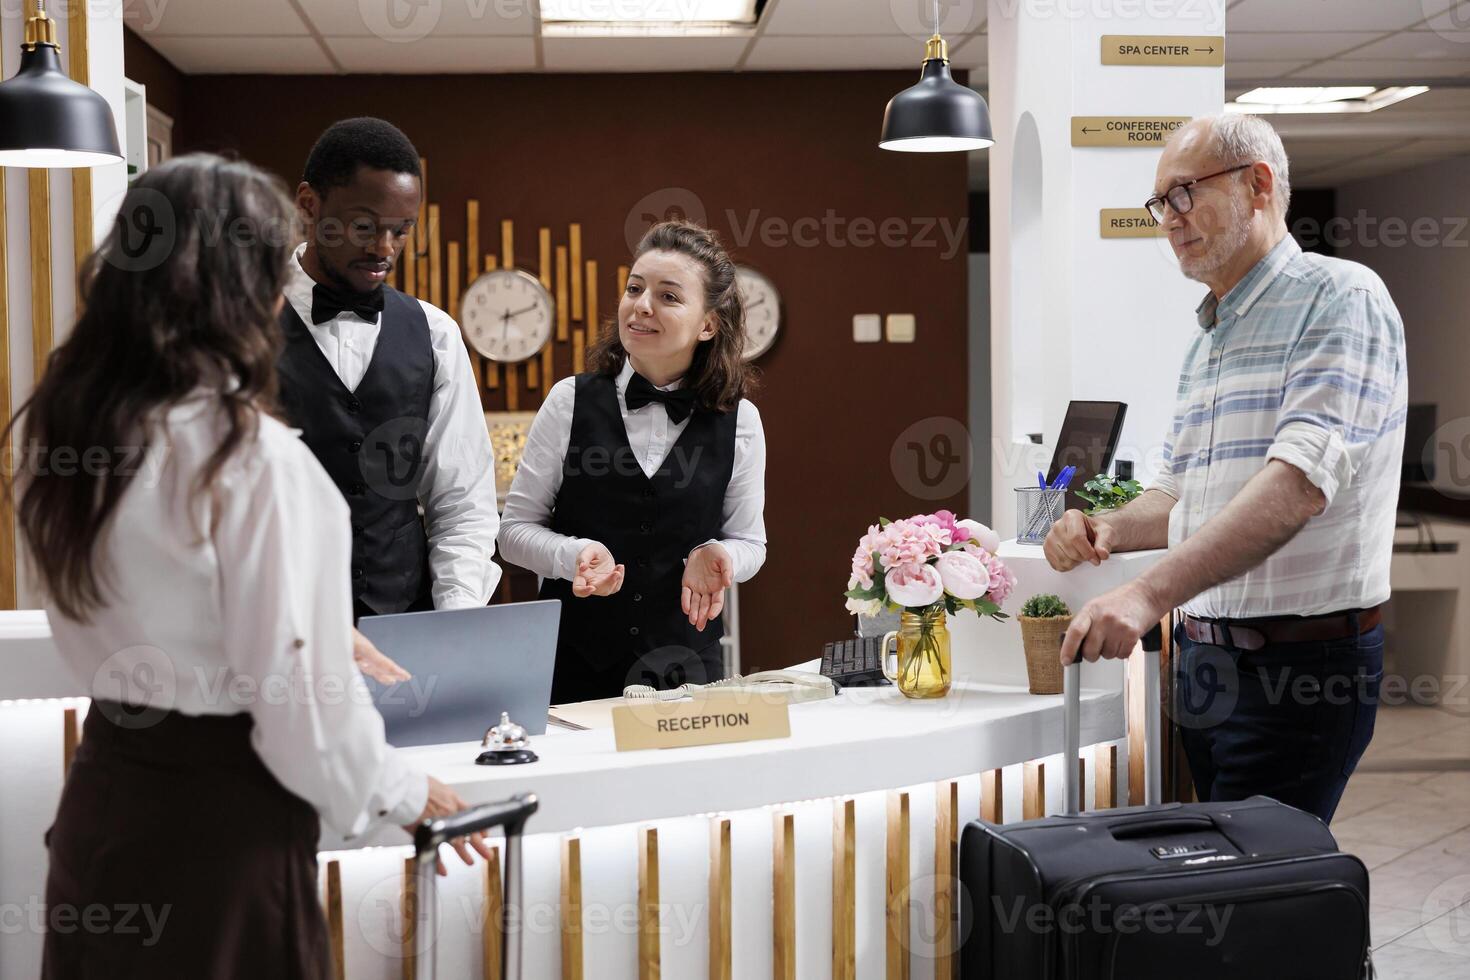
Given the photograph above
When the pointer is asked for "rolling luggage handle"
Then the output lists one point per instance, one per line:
(510, 814)
(1072, 725)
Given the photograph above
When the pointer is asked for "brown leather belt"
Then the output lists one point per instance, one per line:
(1253, 634)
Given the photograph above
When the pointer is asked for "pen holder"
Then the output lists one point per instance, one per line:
(1037, 509)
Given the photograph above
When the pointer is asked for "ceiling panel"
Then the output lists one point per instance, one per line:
(969, 52)
(1261, 70)
(433, 55)
(854, 53)
(244, 55)
(1439, 46)
(1292, 46)
(210, 17)
(1341, 15)
(640, 54)
(411, 21)
(1456, 19)
(1364, 70)
(914, 18)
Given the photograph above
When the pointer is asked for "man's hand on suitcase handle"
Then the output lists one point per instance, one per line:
(442, 802)
(1111, 625)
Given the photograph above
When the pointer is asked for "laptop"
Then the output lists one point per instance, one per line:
(468, 666)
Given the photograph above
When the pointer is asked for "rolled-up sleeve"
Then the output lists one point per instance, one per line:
(1338, 390)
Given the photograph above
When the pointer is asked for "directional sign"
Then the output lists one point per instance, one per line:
(1128, 223)
(1138, 131)
(1163, 49)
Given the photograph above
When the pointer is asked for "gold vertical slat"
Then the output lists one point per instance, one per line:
(720, 950)
(423, 277)
(579, 351)
(508, 244)
(471, 240)
(7, 511)
(39, 186)
(335, 932)
(622, 281)
(571, 908)
(561, 293)
(79, 66)
(590, 331)
(992, 796)
(436, 280)
(512, 387)
(533, 374)
(946, 858)
(1033, 793)
(491, 927)
(1135, 707)
(453, 285)
(543, 241)
(410, 918)
(844, 890)
(649, 955)
(421, 263)
(783, 892)
(410, 261)
(492, 368)
(71, 737)
(897, 905)
(575, 238)
(1105, 793)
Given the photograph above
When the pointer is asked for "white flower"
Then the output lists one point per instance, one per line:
(980, 534)
(914, 585)
(865, 607)
(964, 576)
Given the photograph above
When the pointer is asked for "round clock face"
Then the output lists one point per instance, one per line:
(762, 306)
(507, 315)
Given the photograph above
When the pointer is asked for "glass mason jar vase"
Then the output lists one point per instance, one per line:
(923, 666)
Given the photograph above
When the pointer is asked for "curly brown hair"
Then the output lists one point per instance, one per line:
(719, 375)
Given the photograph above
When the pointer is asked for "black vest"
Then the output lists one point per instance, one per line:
(638, 635)
(371, 443)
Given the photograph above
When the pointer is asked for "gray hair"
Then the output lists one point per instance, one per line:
(1241, 137)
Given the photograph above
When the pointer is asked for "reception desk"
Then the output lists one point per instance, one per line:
(825, 854)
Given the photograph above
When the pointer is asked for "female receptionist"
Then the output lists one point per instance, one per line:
(640, 494)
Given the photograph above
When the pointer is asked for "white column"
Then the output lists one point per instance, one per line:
(1076, 316)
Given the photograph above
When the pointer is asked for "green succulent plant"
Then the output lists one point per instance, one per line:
(1044, 606)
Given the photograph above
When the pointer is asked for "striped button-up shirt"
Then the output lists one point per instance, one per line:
(1301, 361)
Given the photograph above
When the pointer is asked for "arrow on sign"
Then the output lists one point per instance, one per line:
(1209, 50)
(1086, 130)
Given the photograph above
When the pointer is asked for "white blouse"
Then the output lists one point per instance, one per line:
(240, 601)
(526, 537)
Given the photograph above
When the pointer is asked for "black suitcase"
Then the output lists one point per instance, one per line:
(1249, 890)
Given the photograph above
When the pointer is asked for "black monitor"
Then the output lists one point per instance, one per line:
(1087, 440)
(1419, 426)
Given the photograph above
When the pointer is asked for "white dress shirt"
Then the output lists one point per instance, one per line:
(526, 537)
(239, 600)
(458, 488)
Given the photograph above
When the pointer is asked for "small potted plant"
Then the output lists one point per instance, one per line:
(1044, 620)
(1105, 492)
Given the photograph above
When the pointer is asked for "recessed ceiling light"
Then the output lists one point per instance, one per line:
(647, 18)
(1322, 99)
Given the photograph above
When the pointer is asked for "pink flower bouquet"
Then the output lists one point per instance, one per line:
(928, 563)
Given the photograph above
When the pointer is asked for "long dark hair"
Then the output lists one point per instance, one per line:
(181, 296)
(719, 375)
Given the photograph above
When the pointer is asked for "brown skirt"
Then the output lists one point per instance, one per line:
(175, 853)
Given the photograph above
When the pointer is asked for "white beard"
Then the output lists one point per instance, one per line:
(1225, 245)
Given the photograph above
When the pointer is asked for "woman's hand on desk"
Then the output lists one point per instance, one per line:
(707, 574)
(597, 573)
(442, 802)
(375, 663)
(1077, 538)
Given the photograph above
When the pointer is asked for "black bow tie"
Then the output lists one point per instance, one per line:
(679, 403)
(328, 303)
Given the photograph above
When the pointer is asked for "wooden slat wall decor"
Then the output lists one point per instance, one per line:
(844, 890)
(589, 330)
(472, 240)
(946, 877)
(453, 285)
(38, 182)
(720, 950)
(508, 244)
(571, 908)
(71, 737)
(574, 235)
(649, 955)
(623, 271)
(543, 267)
(992, 797)
(410, 918)
(335, 934)
(897, 891)
(491, 927)
(1134, 709)
(410, 261)
(79, 66)
(436, 297)
(562, 291)
(1105, 793)
(492, 368)
(7, 511)
(783, 897)
(1033, 791)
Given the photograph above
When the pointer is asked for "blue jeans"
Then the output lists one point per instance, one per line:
(1289, 721)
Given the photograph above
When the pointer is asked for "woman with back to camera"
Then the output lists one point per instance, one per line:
(202, 596)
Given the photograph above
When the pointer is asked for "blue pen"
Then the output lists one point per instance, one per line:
(1041, 479)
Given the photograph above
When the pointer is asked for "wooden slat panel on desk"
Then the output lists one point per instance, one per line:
(492, 927)
(1105, 793)
(783, 897)
(1135, 707)
(574, 236)
(720, 950)
(896, 912)
(571, 908)
(649, 954)
(992, 796)
(38, 183)
(946, 857)
(1033, 791)
(436, 279)
(844, 890)
(335, 932)
(410, 918)
(507, 244)
(7, 512)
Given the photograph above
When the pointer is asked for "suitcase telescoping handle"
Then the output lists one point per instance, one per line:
(1072, 725)
(509, 814)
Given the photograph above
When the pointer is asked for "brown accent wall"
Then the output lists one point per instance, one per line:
(554, 149)
(144, 65)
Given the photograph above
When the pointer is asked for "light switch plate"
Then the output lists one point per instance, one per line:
(901, 328)
(867, 328)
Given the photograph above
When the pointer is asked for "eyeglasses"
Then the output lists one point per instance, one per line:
(1178, 198)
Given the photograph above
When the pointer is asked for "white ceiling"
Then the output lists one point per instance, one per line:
(1275, 41)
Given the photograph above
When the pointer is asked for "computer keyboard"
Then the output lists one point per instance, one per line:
(854, 662)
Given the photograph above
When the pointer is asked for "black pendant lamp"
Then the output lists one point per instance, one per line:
(939, 114)
(46, 119)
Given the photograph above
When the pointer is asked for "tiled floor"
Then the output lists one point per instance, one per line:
(1406, 813)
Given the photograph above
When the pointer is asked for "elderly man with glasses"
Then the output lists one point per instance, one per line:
(1278, 491)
